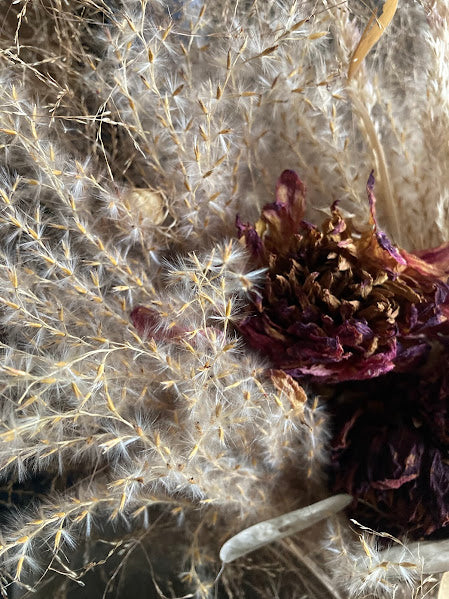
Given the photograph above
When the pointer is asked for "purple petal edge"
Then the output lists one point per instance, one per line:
(382, 238)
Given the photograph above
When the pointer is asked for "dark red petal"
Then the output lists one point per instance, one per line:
(252, 239)
(285, 214)
(148, 323)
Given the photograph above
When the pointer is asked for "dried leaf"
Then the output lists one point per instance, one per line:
(265, 532)
(295, 394)
(373, 32)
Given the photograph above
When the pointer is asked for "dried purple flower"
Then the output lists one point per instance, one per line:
(339, 304)
(348, 307)
(391, 450)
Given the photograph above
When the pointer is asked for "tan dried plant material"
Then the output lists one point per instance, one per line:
(373, 32)
(295, 394)
(147, 204)
(443, 591)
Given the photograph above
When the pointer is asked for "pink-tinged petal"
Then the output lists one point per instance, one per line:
(432, 262)
(285, 214)
(437, 257)
(394, 483)
(349, 369)
(280, 220)
(252, 239)
(422, 262)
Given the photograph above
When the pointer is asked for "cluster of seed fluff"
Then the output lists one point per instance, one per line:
(377, 565)
(213, 101)
(206, 103)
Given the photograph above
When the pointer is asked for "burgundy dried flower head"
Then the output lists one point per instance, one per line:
(391, 450)
(339, 304)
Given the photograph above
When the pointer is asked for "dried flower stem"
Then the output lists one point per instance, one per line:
(386, 189)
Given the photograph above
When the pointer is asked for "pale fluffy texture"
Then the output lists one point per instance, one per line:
(167, 444)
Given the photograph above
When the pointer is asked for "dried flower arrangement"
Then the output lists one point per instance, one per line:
(340, 305)
(168, 391)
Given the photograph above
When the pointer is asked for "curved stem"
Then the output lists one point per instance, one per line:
(384, 182)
